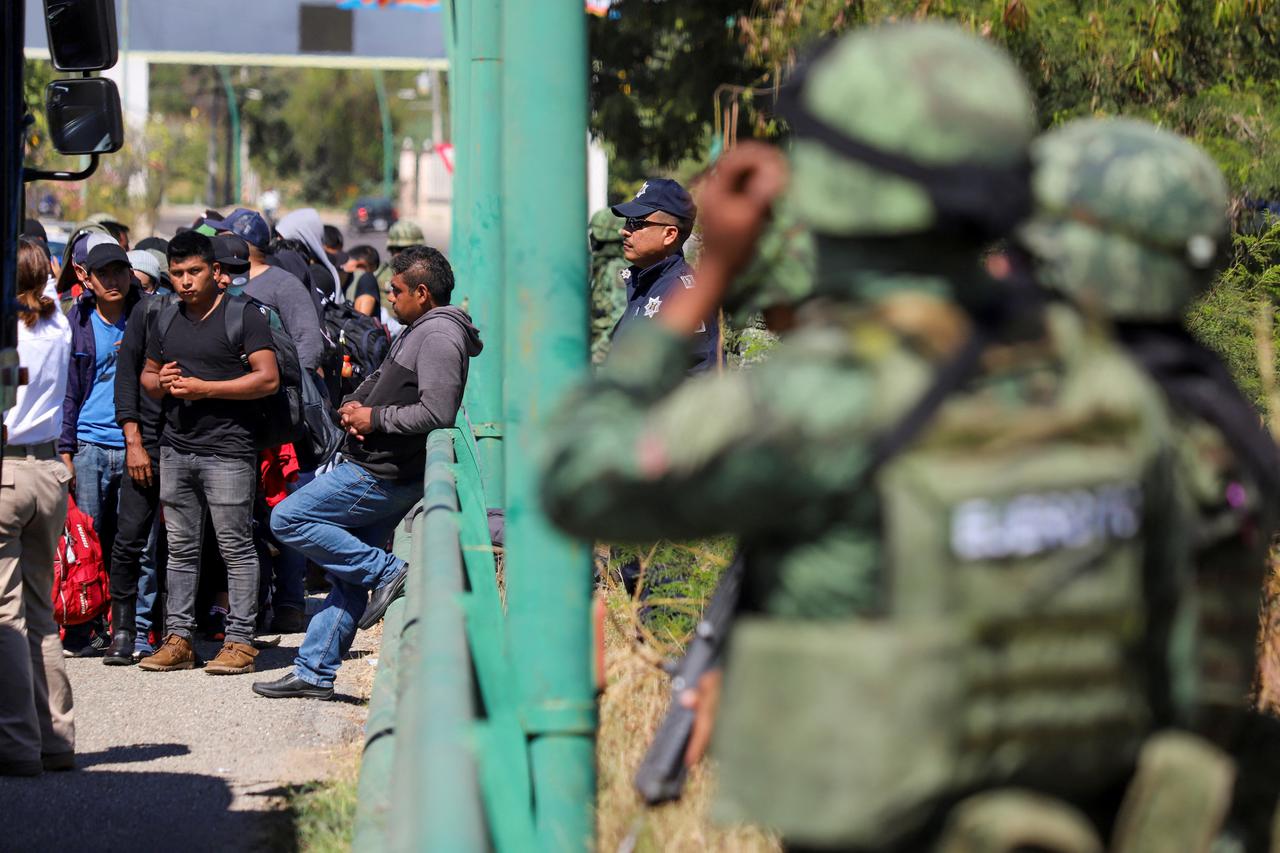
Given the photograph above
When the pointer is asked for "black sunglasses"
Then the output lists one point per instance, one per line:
(635, 223)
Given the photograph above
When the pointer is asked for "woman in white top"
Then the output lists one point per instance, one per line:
(37, 730)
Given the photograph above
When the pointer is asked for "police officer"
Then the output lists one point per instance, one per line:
(608, 289)
(657, 222)
(947, 502)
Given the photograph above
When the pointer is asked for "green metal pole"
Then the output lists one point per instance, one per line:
(233, 111)
(483, 236)
(548, 576)
(460, 126)
(388, 144)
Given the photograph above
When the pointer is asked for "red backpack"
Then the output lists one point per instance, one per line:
(80, 582)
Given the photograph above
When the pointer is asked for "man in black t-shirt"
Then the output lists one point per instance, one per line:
(208, 456)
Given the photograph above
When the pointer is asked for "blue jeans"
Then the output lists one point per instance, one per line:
(341, 521)
(98, 473)
(149, 581)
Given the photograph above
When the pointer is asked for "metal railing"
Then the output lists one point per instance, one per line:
(446, 758)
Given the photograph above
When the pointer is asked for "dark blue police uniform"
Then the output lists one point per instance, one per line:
(651, 288)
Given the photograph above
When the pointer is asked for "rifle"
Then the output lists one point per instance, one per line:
(662, 772)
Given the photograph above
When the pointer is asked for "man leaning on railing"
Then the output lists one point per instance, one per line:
(343, 520)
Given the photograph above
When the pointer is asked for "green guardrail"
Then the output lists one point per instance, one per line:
(446, 758)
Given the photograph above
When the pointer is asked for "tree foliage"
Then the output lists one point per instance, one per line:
(655, 65)
(1206, 68)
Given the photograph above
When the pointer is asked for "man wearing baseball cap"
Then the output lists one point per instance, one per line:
(242, 249)
(657, 223)
(92, 444)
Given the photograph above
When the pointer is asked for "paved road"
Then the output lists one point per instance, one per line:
(184, 760)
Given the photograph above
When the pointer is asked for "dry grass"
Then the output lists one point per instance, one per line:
(634, 700)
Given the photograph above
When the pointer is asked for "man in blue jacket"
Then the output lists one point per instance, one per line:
(658, 222)
(92, 445)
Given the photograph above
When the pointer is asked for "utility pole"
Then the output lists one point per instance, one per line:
(548, 575)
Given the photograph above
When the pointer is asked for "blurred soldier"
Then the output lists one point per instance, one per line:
(608, 291)
(947, 492)
(1131, 221)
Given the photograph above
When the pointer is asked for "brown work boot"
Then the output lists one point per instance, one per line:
(175, 653)
(234, 659)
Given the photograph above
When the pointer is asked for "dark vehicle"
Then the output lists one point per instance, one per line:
(83, 119)
(372, 213)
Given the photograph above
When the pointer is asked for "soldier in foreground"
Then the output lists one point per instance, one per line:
(1131, 222)
(946, 491)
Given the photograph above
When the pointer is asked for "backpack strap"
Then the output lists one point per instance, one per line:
(1195, 378)
(164, 317)
(235, 324)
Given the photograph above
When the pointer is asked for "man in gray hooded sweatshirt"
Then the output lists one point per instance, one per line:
(343, 519)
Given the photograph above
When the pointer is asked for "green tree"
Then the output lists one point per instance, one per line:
(655, 66)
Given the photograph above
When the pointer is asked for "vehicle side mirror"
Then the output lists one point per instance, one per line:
(82, 34)
(84, 116)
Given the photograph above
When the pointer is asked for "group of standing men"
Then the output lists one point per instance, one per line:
(159, 402)
(1005, 523)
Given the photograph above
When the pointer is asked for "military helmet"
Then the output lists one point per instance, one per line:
(404, 234)
(782, 272)
(605, 227)
(909, 128)
(1129, 219)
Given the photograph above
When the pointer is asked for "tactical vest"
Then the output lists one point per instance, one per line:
(1011, 644)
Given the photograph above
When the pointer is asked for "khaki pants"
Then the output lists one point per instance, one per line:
(35, 695)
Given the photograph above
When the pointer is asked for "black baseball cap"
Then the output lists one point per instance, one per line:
(106, 254)
(231, 252)
(659, 194)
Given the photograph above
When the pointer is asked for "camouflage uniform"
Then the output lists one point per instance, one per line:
(608, 288)
(781, 274)
(1131, 222)
(854, 703)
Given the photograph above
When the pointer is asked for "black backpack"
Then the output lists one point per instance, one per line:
(356, 335)
(298, 412)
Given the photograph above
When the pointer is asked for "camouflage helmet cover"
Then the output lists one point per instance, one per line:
(403, 234)
(604, 227)
(928, 92)
(1129, 219)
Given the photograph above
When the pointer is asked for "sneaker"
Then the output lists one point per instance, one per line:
(233, 659)
(143, 648)
(175, 653)
(85, 641)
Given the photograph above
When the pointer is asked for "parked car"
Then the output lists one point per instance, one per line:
(372, 213)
